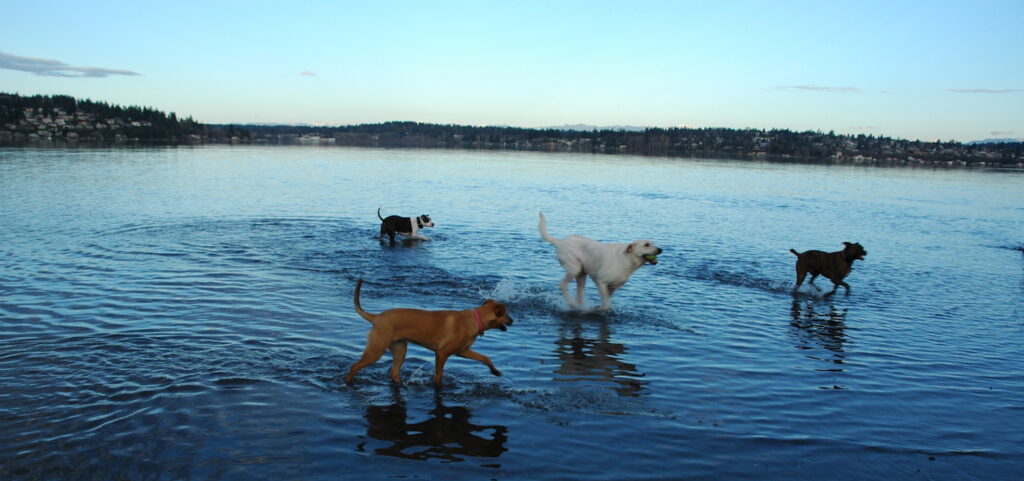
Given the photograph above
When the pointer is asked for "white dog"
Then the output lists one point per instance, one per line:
(609, 265)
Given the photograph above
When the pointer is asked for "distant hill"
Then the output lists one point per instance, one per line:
(65, 118)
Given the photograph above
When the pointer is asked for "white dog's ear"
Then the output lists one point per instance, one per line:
(629, 249)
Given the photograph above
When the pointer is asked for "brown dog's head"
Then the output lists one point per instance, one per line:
(854, 251)
(495, 315)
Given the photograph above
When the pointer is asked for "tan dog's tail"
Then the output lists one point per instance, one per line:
(795, 252)
(359, 308)
(544, 230)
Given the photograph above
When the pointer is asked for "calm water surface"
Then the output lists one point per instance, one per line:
(187, 314)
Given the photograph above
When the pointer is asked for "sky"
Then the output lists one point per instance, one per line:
(917, 70)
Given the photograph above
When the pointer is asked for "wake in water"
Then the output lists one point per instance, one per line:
(547, 299)
(740, 279)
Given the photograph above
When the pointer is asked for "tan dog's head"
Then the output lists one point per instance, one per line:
(495, 315)
(854, 251)
(645, 249)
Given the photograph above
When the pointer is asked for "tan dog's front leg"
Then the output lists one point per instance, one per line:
(476, 356)
(439, 359)
(398, 350)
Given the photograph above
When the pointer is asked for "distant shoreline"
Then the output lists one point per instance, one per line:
(63, 121)
(780, 159)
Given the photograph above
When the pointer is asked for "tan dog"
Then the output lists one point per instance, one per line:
(835, 266)
(444, 332)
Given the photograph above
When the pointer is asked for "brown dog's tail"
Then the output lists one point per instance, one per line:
(359, 308)
(794, 252)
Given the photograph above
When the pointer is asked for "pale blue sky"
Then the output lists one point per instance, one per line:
(910, 69)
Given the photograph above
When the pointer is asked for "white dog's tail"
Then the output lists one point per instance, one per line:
(544, 230)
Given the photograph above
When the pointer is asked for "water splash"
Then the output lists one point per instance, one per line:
(522, 294)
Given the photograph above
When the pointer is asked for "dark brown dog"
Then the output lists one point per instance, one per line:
(835, 266)
(444, 332)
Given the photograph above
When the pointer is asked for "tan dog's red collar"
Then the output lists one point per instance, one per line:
(479, 323)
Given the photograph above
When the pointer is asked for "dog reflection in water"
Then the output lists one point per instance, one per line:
(447, 435)
(818, 329)
(592, 357)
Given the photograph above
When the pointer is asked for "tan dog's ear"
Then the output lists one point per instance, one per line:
(499, 309)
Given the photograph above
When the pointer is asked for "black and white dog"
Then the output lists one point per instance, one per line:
(407, 226)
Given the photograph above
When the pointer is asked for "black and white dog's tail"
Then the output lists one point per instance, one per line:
(378, 214)
(544, 230)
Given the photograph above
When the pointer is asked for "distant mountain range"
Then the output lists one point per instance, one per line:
(590, 128)
(993, 141)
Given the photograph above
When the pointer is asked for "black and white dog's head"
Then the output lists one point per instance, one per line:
(424, 221)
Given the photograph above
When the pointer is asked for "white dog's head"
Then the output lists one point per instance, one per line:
(645, 250)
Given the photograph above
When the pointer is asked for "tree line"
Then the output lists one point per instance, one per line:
(63, 113)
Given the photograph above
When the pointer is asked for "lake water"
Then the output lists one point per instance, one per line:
(187, 314)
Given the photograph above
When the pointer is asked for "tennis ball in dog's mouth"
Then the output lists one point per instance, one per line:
(651, 257)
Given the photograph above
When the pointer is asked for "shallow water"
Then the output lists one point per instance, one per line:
(187, 313)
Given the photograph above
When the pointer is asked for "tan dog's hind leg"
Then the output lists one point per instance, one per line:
(476, 356)
(375, 347)
(369, 357)
(398, 350)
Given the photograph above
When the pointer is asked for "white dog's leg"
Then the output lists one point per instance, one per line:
(606, 295)
(581, 281)
(564, 287)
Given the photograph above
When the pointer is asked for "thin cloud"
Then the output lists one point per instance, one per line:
(986, 91)
(53, 68)
(307, 73)
(1002, 132)
(816, 88)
